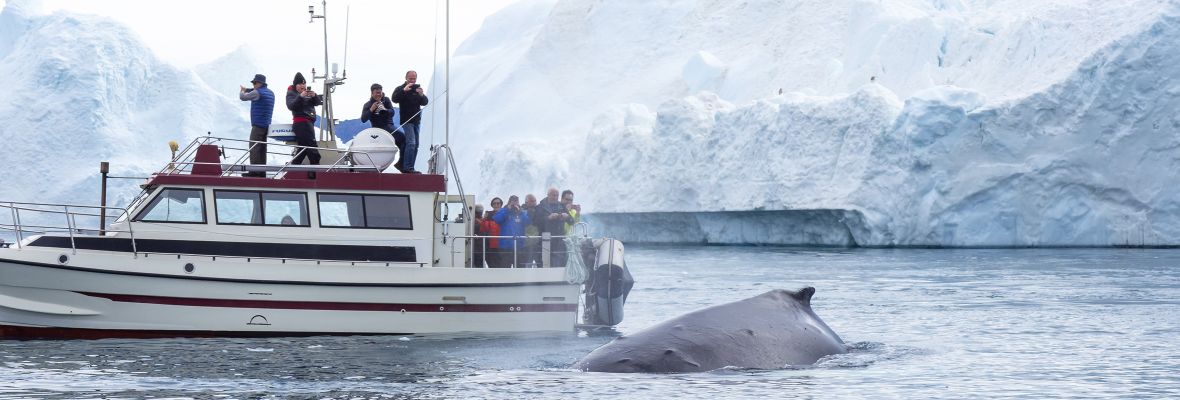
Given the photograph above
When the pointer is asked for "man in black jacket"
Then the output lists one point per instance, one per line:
(553, 217)
(411, 98)
(378, 112)
(302, 102)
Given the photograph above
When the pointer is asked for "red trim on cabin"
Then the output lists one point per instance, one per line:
(335, 306)
(324, 180)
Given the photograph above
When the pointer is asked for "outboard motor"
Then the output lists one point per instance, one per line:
(608, 286)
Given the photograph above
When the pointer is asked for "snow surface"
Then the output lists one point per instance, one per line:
(953, 123)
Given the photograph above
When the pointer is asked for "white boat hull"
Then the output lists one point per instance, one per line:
(112, 294)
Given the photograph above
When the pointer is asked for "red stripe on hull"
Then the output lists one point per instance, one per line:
(334, 306)
(28, 333)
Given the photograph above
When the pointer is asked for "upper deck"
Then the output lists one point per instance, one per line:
(201, 164)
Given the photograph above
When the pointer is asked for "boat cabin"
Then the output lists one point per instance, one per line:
(296, 212)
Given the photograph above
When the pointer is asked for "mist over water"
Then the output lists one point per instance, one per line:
(1036, 323)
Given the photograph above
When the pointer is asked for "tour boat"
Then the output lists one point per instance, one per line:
(209, 248)
(305, 250)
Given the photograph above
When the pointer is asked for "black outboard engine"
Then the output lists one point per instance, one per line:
(608, 285)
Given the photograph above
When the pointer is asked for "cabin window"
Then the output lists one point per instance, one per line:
(365, 211)
(261, 208)
(388, 212)
(176, 205)
(285, 209)
(242, 208)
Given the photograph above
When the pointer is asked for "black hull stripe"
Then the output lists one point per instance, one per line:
(29, 333)
(236, 249)
(279, 282)
(335, 306)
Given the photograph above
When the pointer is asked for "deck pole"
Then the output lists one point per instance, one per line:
(103, 168)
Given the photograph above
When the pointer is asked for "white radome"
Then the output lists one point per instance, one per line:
(377, 144)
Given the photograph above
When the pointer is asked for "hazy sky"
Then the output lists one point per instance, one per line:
(386, 38)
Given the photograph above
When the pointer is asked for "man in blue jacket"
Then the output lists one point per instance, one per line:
(262, 107)
(512, 220)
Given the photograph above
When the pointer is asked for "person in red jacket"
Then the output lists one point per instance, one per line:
(302, 101)
(487, 250)
(478, 248)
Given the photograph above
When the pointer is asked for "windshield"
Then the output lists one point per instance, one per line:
(134, 205)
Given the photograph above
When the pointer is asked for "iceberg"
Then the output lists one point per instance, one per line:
(962, 123)
(82, 89)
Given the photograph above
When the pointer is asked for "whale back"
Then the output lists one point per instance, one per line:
(771, 330)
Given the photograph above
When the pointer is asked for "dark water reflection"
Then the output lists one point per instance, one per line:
(1064, 323)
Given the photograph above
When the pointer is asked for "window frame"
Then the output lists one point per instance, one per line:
(262, 208)
(151, 204)
(364, 212)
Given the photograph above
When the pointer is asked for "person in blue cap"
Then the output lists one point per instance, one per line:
(262, 107)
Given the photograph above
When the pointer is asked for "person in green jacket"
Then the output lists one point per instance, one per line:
(575, 210)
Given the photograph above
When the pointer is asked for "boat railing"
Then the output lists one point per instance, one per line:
(239, 151)
(538, 245)
(29, 219)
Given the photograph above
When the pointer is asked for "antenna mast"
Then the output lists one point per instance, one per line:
(347, 27)
(330, 83)
(447, 71)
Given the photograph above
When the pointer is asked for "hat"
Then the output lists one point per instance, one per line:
(298, 79)
(259, 78)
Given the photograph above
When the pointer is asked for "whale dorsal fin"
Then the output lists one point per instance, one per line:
(804, 295)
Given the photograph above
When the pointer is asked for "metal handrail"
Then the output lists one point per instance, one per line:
(584, 226)
(187, 156)
(515, 249)
(12, 204)
(458, 183)
(71, 227)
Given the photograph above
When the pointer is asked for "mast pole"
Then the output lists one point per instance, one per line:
(447, 71)
(328, 125)
(329, 80)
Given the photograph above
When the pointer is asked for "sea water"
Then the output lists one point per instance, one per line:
(1029, 323)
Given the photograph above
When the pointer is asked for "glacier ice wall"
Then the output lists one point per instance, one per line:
(969, 123)
(82, 89)
(837, 228)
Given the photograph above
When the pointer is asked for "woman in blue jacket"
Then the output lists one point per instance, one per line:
(512, 220)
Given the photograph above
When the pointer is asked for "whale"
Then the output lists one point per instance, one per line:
(773, 330)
